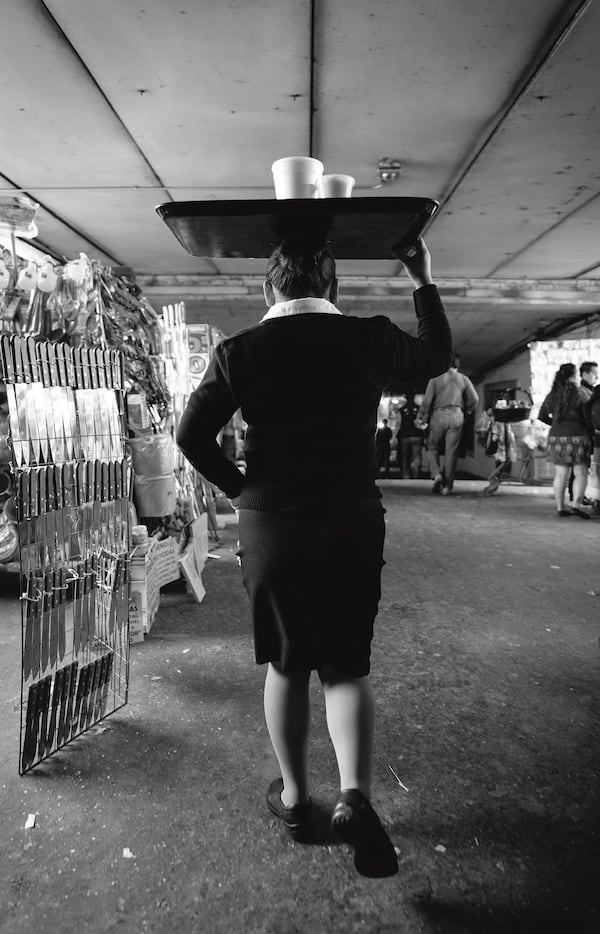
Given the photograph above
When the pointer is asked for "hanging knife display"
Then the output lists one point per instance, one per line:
(72, 492)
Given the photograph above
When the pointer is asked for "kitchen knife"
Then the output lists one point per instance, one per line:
(8, 370)
(44, 363)
(57, 689)
(44, 704)
(31, 664)
(34, 409)
(100, 689)
(78, 713)
(64, 700)
(94, 682)
(107, 682)
(46, 601)
(77, 591)
(54, 579)
(32, 720)
(68, 721)
(21, 396)
(62, 591)
(36, 397)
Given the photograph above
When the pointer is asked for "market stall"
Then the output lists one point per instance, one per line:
(98, 509)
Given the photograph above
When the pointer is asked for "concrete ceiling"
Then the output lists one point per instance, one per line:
(110, 108)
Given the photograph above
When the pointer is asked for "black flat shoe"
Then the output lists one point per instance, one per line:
(564, 513)
(579, 512)
(297, 819)
(356, 823)
(437, 485)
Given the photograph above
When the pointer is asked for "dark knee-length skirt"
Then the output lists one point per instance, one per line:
(313, 577)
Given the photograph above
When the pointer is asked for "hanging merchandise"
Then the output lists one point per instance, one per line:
(72, 482)
(17, 219)
(119, 316)
(4, 275)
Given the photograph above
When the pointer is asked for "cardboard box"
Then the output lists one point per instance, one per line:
(194, 557)
(136, 616)
(152, 566)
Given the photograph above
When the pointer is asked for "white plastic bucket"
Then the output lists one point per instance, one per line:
(155, 496)
(152, 455)
(296, 177)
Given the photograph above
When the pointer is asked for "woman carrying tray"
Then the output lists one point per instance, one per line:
(311, 521)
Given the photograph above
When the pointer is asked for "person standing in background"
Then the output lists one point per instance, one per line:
(383, 441)
(569, 440)
(588, 374)
(410, 439)
(447, 399)
(588, 377)
(593, 484)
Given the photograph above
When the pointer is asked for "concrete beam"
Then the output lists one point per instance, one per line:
(559, 292)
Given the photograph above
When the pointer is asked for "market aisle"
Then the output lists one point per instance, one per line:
(485, 668)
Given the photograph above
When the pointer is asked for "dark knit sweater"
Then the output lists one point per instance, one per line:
(571, 421)
(309, 387)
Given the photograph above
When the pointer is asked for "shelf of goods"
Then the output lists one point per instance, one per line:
(83, 304)
(167, 493)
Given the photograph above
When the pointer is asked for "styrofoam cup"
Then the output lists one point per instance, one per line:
(335, 186)
(296, 177)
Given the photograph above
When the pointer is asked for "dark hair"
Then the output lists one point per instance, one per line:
(562, 390)
(586, 366)
(298, 271)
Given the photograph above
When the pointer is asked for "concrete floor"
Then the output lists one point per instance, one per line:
(485, 666)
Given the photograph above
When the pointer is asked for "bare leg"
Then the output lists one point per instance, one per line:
(287, 714)
(580, 475)
(559, 484)
(351, 722)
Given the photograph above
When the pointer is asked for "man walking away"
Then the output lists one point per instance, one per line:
(447, 399)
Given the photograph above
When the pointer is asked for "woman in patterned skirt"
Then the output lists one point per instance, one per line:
(569, 440)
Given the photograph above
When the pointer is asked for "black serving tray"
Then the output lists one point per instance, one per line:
(354, 228)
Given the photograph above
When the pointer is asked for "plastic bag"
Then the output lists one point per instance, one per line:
(491, 441)
(536, 438)
(482, 428)
(487, 435)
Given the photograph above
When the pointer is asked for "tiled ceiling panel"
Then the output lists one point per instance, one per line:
(127, 221)
(540, 167)
(56, 128)
(213, 92)
(384, 68)
(566, 249)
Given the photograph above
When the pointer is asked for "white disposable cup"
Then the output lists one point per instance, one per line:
(335, 186)
(296, 177)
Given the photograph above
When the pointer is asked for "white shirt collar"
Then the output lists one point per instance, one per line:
(301, 306)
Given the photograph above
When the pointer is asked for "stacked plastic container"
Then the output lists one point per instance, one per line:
(154, 480)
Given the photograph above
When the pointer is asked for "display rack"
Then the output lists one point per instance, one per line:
(72, 482)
